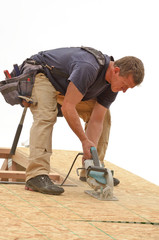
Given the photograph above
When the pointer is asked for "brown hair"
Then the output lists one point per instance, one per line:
(131, 65)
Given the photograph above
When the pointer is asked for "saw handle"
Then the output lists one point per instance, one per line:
(97, 169)
(95, 156)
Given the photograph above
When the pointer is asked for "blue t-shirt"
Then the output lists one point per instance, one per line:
(82, 69)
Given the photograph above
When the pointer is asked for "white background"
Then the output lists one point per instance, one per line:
(117, 28)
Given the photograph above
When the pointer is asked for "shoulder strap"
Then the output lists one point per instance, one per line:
(97, 54)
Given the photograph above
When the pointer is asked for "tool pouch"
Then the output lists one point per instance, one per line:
(12, 88)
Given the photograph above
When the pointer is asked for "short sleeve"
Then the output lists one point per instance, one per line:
(107, 97)
(83, 76)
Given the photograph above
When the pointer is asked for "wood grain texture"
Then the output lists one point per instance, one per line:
(76, 215)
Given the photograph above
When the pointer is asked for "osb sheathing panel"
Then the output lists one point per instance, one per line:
(76, 215)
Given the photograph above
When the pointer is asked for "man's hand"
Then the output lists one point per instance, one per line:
(87, 144)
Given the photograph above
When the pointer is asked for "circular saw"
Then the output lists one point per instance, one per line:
(99, 178)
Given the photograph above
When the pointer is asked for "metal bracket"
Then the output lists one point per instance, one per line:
(10, 162)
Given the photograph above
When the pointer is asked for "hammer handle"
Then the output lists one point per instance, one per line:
(18, 132)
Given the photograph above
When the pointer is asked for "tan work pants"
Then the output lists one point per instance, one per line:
(45, 115)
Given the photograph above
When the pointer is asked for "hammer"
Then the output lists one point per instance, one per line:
(18, 132)
(20, 125)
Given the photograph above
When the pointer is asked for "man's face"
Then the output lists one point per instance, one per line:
(121, 83)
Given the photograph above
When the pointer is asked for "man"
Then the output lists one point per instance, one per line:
(85, 88)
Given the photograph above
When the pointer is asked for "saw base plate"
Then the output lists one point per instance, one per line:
(99, 196)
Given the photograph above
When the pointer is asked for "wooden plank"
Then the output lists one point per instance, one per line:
(21, 175)
(12, 167)
(20, 158)
(4, 152)
(5, 165)
(12, 174)
(19, 161)
(55, 177)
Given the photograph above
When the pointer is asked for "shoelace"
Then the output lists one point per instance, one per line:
(45, 178)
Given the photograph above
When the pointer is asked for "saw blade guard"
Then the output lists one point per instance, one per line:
(97, 175)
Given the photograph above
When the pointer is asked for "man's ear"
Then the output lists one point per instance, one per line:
(116, 69)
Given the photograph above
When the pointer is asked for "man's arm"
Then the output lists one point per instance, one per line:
(95, 124)
(72, 97)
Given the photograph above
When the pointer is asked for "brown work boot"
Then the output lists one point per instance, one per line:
(43, 184)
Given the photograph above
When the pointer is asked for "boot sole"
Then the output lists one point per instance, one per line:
(31, 188)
